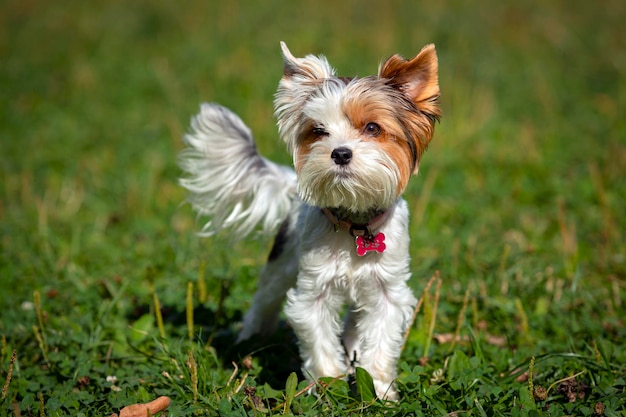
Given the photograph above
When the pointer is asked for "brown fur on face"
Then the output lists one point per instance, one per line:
(402, 101)
(372, 105)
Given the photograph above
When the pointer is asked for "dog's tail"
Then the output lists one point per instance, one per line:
(227, 178)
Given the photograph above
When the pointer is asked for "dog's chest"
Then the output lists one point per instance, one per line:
(331, 260)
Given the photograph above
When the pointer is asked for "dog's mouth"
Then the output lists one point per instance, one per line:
(355, 185)
(343, 171)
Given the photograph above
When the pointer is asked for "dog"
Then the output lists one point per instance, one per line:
(338, 217)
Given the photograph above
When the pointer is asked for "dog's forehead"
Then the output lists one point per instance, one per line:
(327, 110)
(335, 89)
(342, 103)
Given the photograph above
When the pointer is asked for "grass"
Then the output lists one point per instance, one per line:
(108, 299)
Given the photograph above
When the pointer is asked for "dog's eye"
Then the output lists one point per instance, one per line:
(319, 131)
(372, 129)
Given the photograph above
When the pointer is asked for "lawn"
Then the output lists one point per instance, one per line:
(108, 298)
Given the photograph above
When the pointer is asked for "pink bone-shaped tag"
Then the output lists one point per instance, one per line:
(370, 244)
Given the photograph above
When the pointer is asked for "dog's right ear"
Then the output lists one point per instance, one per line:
(309, 68)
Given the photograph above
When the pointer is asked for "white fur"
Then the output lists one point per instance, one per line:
(317, 268)
(228, 180)
(233, 184)
(331, 275)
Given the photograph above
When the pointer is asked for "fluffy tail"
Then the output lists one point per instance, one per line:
(227, 178)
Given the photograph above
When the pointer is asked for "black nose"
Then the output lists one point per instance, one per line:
(341, 156)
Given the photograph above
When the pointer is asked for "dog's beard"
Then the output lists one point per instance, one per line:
(368, 182)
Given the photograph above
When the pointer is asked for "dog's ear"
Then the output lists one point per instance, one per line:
(290, 62)
(308, 68)
(417, 78)
(302, 76)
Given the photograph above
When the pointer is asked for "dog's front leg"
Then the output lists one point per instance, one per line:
(314, 315)
(384, 314)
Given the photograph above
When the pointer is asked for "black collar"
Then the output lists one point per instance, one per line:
(357, 229)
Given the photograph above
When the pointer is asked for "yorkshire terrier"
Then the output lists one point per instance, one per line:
(339, 221)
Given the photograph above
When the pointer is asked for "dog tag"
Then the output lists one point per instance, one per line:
(370, 244)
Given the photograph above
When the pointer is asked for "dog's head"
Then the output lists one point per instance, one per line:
(356, 142)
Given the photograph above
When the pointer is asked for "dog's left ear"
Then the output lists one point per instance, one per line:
(417, 78)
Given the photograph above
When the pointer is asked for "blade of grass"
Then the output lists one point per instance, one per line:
(459, 322)
(418, 307)
(290, 391)
(193, 369)
(202, 291)
(431, 318)
(5, 388)
(189, 310)
(157, 311)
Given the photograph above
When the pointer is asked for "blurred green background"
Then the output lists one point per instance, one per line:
(522, 191)
(95, 98)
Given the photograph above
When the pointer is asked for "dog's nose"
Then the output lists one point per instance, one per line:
(342, 155)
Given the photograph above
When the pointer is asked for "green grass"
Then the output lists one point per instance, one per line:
(519, 205)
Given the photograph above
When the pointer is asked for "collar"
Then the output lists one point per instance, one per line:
(357, 229)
